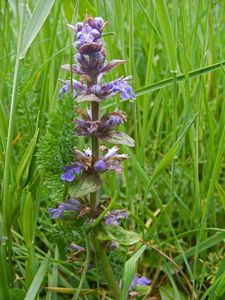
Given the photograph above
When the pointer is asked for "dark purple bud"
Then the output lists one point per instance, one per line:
(96, 22)
(113, 216)
(139, 280)
(69, 205)
(86, 127)
(90, 48)
(100, 165)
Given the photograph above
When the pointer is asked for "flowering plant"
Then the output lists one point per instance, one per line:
(83, 175)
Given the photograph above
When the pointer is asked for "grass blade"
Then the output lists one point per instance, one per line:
(38, 279)
(129, 272)
(169, 81)
(38, 17)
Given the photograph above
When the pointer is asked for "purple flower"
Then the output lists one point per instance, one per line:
(69, 205)
(87, 35)
(69, 175)
(113, 121)
(77, 86)
(119, 85)
(112, 217)
(111, 152)
(139, 280)
(100, 165)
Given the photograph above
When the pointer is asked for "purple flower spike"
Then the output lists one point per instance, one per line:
(100, 165)
(113, 216)
(69, 205)
(69, 175)
(139, 280)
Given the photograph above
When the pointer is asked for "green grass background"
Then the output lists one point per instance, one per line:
(173, 185)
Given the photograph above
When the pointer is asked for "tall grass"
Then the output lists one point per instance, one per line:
(173, 185)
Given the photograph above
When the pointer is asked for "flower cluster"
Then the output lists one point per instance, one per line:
(91, 65)
(101, 128)
(109, 161)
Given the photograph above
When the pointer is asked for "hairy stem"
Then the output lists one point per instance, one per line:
(100, 250)
(102, 259)
(95, 148)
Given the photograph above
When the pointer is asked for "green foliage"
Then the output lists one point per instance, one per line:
(172, 193)
(118, 234)
(167, 293)
(56, 147)
(84, 185)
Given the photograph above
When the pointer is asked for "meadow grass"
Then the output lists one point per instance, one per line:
(173, 184)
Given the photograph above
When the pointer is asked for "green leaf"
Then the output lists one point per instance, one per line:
(164, 163)
(221, 194)
(27, 219)
(24, 165)
(117, 233)
(167, 33)
(88, 98)
(167, 159)
(130, 269)
(122, 138)
(17, 294)
(61, 290)
(220, 290)
(84, 186)
(38, 17)
(168, 293)
(38, 279)
(68, 9)
(86, 8)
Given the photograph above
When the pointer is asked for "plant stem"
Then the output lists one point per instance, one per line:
(102, 259)
(100, 250)
(95, 148)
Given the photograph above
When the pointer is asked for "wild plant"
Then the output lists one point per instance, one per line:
(94, 216)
